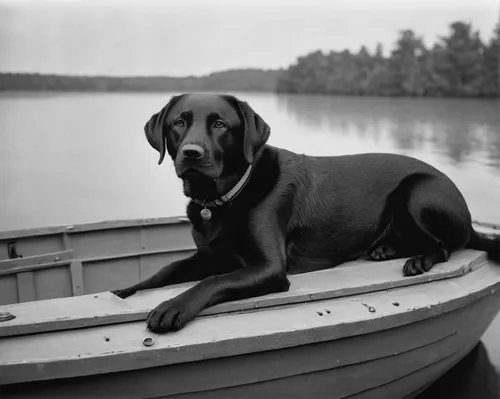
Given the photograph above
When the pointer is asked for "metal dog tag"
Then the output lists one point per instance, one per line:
(205, 214)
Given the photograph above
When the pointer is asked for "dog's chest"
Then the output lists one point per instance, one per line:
(205, 232)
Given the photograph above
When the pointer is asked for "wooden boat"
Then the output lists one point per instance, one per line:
(360, 330)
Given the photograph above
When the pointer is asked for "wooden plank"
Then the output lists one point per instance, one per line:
(77, 285)
(115, 348)
(34, 246)
(173, 237)
(111, 258)
(359, 277)
(40, 314)
(53, 283)
(22, 269)
(105, 225)
(144, 247)
(353, 278)
(8, 290)
(110, 275)
(36, 259)
(66, 241)
(105, 243)
(126, 242)
(26, 287)
(151, 264)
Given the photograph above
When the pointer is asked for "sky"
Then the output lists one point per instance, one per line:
(195, 37)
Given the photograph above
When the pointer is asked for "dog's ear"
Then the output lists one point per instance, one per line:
(155, 129)
(256, 131)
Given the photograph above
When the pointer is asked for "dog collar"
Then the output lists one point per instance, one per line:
(205, 213)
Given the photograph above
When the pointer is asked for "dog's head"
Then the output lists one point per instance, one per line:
(211, 139)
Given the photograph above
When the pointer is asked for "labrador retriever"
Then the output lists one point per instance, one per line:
(260, 212)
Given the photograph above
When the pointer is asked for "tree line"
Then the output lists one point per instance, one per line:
(458, 65)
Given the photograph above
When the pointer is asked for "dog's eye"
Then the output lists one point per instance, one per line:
(179, 122)
(219, 125)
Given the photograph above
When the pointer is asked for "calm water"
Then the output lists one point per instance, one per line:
(73, 158)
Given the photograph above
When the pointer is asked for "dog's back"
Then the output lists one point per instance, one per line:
(341, 199)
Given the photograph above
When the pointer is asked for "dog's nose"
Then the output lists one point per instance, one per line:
(192, 151)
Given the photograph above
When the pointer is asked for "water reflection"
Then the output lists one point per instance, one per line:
(460, 129)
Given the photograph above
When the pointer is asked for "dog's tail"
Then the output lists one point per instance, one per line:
(483, 242)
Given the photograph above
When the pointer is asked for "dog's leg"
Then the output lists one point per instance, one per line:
(428, 219)
(263, 274)
(250, 281)
(197, 267)
(441, 223)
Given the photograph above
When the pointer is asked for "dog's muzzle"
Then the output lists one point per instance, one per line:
(192, 152)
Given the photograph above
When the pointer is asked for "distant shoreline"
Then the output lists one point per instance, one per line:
(367, 96)
(460, 65)
(231, 80)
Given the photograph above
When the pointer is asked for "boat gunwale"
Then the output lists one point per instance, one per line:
(7, 235)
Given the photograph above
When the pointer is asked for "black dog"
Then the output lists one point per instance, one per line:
(260, 212)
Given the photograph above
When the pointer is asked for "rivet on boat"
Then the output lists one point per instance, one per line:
(320, 313)
(148, 341)
(395, 303)
(6, 316)
(70, 227)
(327, 311)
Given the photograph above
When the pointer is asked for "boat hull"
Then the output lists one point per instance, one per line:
(393, 363)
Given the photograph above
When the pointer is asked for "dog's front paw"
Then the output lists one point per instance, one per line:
(171, 315)
(125, 293)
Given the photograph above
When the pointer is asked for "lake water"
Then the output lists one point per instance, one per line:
(74, 158)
